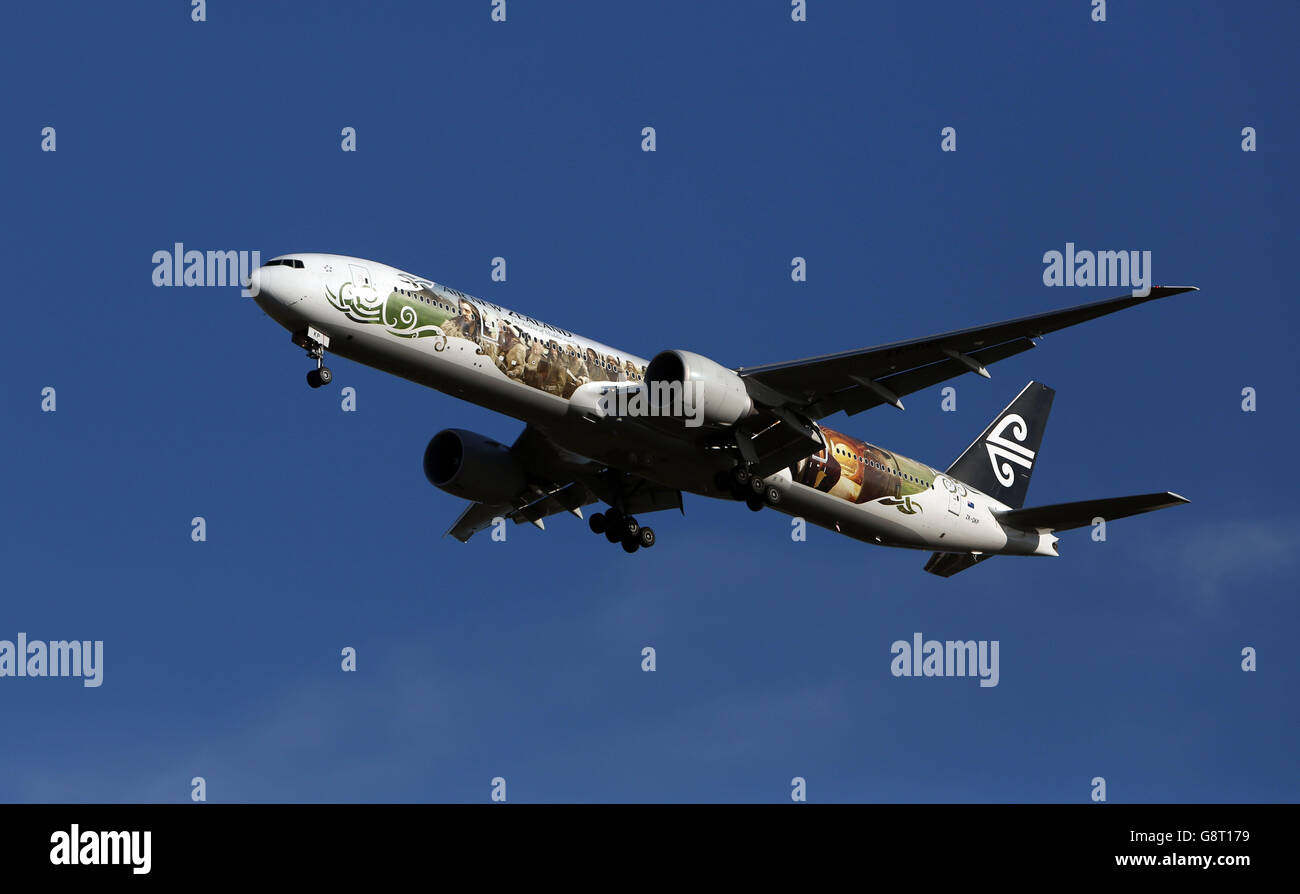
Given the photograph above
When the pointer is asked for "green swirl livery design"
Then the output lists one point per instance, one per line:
(396, 313)
(525, 350)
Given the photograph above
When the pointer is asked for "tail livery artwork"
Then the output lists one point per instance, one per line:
(605, 426)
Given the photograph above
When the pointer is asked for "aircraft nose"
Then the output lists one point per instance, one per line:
(276, 286)
(262, 288)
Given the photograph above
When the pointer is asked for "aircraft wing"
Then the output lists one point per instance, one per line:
(854, 381)
(567, 498)
(560, 481)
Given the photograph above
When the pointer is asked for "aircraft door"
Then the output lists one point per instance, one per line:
(360, 275)
(361, 290)
(954, 498)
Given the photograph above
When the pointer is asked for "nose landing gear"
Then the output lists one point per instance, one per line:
(319, 376)
(315, 342)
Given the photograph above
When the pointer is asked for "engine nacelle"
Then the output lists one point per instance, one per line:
(717, 393)
(468, 465)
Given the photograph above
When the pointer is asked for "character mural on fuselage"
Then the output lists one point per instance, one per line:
(860, 472)
(763, 419)
(538, 360)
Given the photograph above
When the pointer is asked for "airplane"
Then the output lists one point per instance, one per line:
(605, 426)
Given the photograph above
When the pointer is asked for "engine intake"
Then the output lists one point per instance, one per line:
(716, 393)
(473, 467)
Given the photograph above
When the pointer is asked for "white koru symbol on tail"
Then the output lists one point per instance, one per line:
(1000, 448)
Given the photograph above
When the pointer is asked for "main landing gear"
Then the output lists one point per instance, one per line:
(315, 342)
(624, 529)
(743, 484)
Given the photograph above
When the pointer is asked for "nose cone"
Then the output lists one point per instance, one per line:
(277, 287)
(254, 284)
(266, 291)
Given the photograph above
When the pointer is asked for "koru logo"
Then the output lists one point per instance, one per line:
(1000, 448)
(905, 505)
(954, 487)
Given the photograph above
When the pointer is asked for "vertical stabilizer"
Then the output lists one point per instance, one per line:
(1000, 461)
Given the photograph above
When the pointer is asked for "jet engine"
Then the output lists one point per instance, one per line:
(473, 467)
(716, 393)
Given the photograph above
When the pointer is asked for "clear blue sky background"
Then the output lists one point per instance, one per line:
(1120, 659)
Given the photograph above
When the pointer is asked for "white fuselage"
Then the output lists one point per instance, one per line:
(552, 378)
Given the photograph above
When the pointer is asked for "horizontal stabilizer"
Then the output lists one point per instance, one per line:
(1067, 516)
(948, 564)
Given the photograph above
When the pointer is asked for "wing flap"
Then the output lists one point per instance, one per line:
(561, 482)
(855, 400)
(475, 518)
(478, 516)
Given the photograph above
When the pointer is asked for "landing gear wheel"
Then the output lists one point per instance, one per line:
(757, 485)
(646, 537)
(315, 343)
(630, 545)
(741, 474)
(597, 523)
(754, 502)
(630, 527)
(773, 496)
(613, 526)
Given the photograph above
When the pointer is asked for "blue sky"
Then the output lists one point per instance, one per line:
(522, 660)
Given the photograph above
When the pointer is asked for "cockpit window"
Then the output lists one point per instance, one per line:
(285, 262)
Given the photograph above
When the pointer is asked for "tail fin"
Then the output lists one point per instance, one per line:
(1000, 460)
